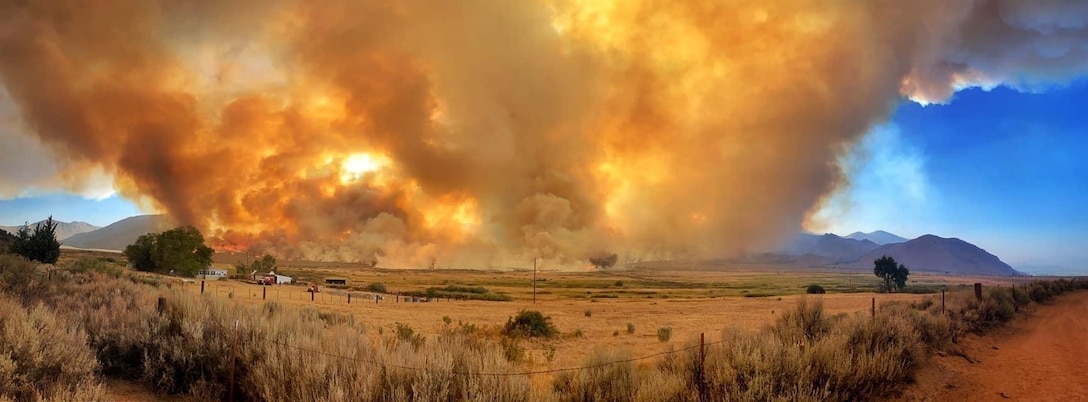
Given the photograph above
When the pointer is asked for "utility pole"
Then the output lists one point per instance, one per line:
(534, 279)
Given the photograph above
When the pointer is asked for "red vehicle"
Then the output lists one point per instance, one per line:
(267, 281)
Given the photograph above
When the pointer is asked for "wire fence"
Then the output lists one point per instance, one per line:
(357, 360)
(506, 374)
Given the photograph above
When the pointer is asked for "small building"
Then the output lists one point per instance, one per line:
(212, 273)
(281, 279)
(336, 281)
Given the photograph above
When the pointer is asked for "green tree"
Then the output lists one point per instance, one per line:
(893, 275)
(40, 244)
(139, 253)
(180, 249)
(264, 264)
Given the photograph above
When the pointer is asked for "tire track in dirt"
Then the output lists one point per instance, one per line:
(1041, 356)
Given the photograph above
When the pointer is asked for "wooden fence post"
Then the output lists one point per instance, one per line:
(233, 357)
(701, 374)
(942, 301)
(872, 310)
(201, 287)
(264, 293)
(978, 291)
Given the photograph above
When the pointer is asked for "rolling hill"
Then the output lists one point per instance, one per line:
(934, 253)
(121, 233)
(64, 229)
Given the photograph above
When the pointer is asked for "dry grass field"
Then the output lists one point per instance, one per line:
(591, 308)
(765, 339)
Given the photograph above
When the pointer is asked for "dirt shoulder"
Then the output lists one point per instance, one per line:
(1041, 355)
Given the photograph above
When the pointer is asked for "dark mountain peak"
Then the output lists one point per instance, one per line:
(934, 253)
(828, 245)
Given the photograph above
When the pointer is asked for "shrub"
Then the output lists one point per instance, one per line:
(664, 334)
(1021, 297)
(530, 323)
(630, 328)
(44, 358)
(17, 275)
(549, 352)
(804, 324)
(447, 320)
(512, 350)
(405, 333)
(589, 313)
(578, 333)
(601, 381)
(618, 283)
(376, 287)
(815, 290)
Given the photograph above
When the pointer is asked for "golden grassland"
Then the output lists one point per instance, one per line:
(778, 346)
(689, 298)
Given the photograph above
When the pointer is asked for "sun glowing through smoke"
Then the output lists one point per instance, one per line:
(357, 166)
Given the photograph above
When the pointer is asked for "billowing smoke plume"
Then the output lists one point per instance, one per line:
(490, 132)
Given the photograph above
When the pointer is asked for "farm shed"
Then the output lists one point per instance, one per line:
(281, 279)
(336, 281)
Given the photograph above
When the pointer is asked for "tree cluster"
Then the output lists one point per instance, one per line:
(266, 263)
(893, 275)
(180, 250)
(38, 245)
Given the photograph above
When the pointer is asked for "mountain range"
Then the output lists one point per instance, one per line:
(855, 251)
(934, 253)
(64, 229)
(859, 250)
(119, 234)
(879, 237)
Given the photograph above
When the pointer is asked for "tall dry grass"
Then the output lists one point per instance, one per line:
(282, 354)
(809, 355)
(42, 357)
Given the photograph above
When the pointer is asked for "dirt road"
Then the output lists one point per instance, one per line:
(1042, 356)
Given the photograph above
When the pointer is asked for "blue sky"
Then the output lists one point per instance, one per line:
(1003, 169)
(67, 208)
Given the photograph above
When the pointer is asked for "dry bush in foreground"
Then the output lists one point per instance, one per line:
(283, 354)
(42, 358)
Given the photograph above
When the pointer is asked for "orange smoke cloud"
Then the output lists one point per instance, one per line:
(481, 133)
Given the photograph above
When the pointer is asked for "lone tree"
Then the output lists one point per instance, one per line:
(180, 249)
(893, 274)
(40, 245)
(604, 261)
